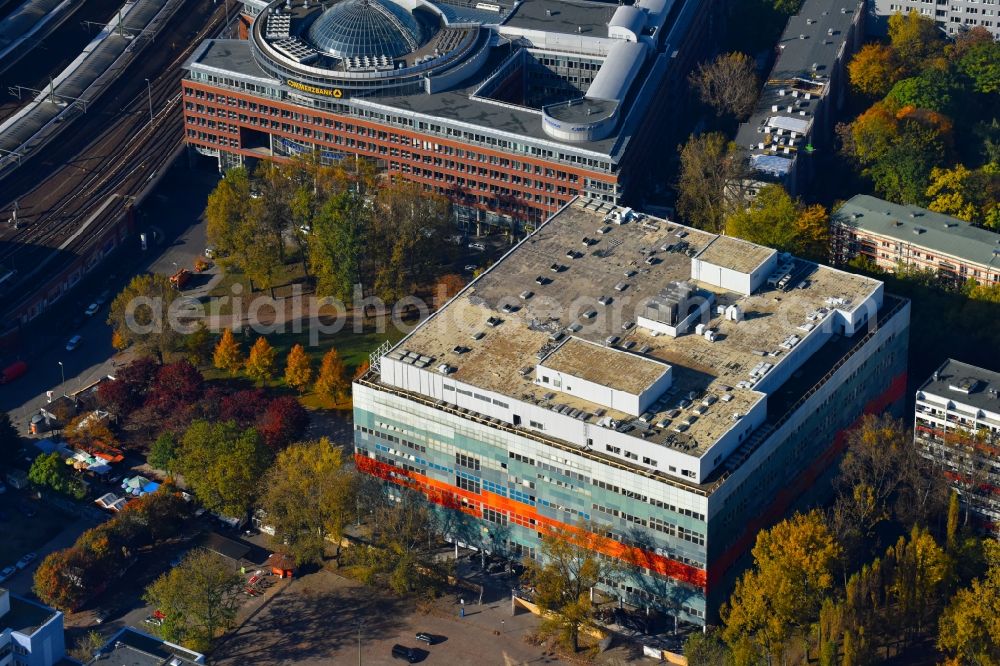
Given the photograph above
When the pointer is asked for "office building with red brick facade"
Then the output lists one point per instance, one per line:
(510, 109)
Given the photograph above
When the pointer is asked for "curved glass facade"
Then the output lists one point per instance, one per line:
(359, 28)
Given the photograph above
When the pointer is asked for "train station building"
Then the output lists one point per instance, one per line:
(510, 109)
(673, 390)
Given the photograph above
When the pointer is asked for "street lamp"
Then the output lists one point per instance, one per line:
(62, 371)
(359, 642)
(149, 95)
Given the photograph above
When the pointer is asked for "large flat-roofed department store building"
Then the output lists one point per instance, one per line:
(894, 235)
(799, 105)
(956, 424)
(511, 109)
(680, 388)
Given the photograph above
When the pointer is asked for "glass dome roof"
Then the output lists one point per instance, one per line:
(357, 28)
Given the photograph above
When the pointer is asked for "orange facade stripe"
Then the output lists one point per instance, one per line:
(447, 495)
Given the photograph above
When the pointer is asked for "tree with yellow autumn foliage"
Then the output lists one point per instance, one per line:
(874, 69)
(260, 362)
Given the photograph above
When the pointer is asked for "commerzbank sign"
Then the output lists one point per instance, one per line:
(315, 90)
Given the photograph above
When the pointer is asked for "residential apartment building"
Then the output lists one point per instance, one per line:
(800, 102)
(30, 634)
(132, 647)
(509, 108)
(956, 424)
(680, 389)
(894, 235)
(952, 16)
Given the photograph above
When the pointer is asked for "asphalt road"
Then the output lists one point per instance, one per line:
(180, 235)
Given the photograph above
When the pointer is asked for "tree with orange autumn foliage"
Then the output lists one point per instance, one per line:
(332, 380)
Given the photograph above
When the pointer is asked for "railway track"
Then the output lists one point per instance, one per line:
(126, 153)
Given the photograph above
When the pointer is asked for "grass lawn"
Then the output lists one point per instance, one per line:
(23, 534)
(290, 274)
(353, 348)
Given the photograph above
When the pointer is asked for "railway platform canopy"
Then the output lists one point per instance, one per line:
(81, 81)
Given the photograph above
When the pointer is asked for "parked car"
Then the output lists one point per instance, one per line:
(74, 342)
(13, 371)
(101, 616)
(405, 653)
(26, 560)
(471, 268)
(6, 573)
(425, 637)
(155, 621)
(477, 246)
(92, 309)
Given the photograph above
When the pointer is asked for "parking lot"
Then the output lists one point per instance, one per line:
(316, 620)
(27, 525)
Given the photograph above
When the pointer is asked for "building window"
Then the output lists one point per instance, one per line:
(470, 485)
(469, 462)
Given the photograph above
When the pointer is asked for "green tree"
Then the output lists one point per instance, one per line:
(50, 471)
(163, 453)
(138, 315)
(931, 89)
(336, 245)
(227, 355)
(223, 465)
(969, 629)
(774, 219)
(228, 205)
(260, 362)
(199, 599)
(308, 498)
(707, 649)
(198, 345)
(709, 186)
(568, 568)
(898, 150)
(793, 572)
(298, 369)
(981, 64)
(245, 225)
(874, 69)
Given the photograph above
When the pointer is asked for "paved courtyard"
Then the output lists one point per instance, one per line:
(315, 620)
